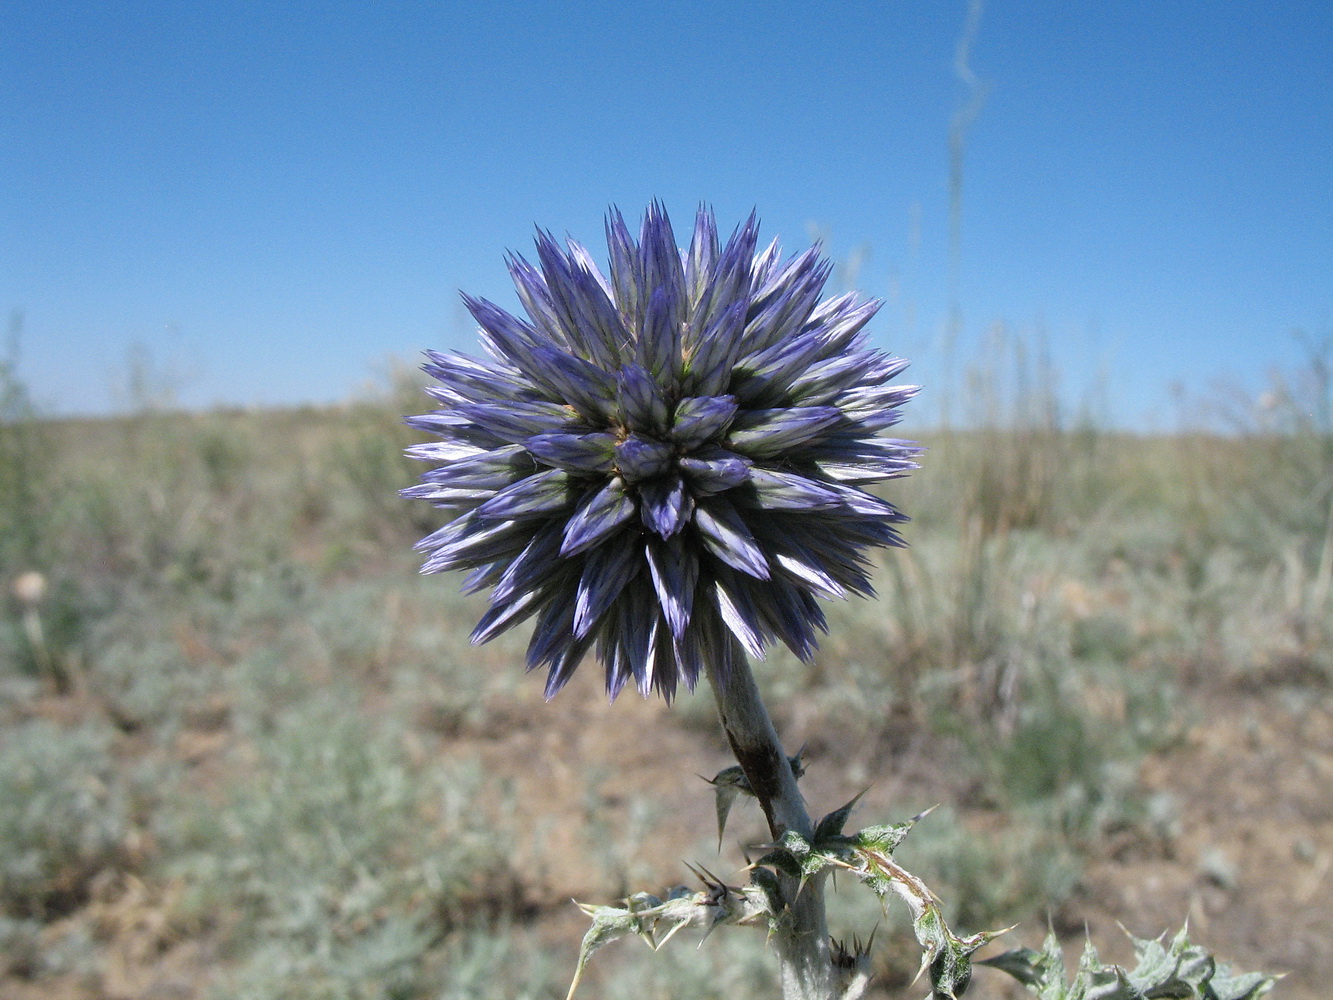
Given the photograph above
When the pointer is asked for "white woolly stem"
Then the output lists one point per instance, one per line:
(802, 939)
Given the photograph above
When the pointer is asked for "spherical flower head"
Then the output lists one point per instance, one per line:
(665, 467)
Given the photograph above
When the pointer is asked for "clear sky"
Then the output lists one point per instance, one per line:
(270, 199)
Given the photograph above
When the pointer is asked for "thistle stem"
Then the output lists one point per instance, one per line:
(802, 939)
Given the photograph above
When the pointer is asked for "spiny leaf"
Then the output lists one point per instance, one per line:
(852, 966)
(946, 955)
(725, 789)
(766, 883)
(885, 838)
(832, 824)
(657, 920)
(731, 781)
(781, 861)
(1175, 970)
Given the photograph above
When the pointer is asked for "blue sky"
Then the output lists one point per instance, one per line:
(271, 199)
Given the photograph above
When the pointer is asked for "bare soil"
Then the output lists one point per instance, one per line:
(1245, 855)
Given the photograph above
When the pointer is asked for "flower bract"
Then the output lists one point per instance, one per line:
(664, 465)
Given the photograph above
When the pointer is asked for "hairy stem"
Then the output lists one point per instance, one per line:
(802, 940)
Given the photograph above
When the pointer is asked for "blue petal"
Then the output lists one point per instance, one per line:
(766, 377)
(516, 421)
(708, 645)
(479, 542)
(665, 672)
(662, 268)
(645, 668)
(509, 338)
(807, 554)
(607, 571)
(491, 470)
(675, 571)
(738, 613)
(643, 458)
(591, 299)
(642, 405)
(616, 664)
(827, 381)
(563, 666)
(626, 280)
(703, 254)
(691, 660)
(699, 418)
(530, 285)
(863, 503)
(659, 342)
(842, 318)
(573, 452)
(566, 304)
(793, 615)
(714, 470)
(725, 534)
(579, 383)
(536, 496)
(483, 577)
(785, 300)
(768, 433)
(442, 451)
(875, 407)
(516, 343)
(763, 269)
(534, 566)
(807, 573)
(636, 617)
(771, 489)
(475, 380)
(853, 460)
(456, 429)
(553, 630)
(709, 366)
(598, 516)
(729, 284)
(447, 497)
(664, 506)
(500, 618)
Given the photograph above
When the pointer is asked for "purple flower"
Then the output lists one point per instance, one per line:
(664, 467)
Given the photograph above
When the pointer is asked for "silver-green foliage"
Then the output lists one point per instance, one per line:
(1175, 969)
(340, 861)
(67, 812)
(867, 855)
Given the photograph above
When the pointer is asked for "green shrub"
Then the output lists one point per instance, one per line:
(69, 810)
(336, 861)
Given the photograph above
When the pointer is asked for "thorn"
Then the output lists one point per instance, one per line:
(710, 881)
(670, 934)
(926, 959)
(923, 813)
(797, 762)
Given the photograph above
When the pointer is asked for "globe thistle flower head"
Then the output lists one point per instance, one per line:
(666, 465)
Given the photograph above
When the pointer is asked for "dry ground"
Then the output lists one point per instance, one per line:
(1245, 855)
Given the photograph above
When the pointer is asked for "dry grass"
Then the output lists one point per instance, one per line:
(251, 753)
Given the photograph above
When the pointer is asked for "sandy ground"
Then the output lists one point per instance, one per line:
(1244, 852)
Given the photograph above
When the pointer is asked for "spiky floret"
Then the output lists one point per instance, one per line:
(665, 466)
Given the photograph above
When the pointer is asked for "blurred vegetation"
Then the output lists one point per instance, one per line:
(233, 704)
